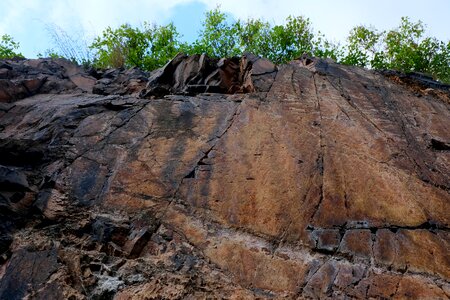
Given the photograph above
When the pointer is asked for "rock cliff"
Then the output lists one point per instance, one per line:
(230, 179)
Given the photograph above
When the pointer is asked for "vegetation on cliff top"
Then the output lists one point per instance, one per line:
(8, 47)
(406, 48)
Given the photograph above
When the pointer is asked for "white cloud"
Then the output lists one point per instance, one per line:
(12, 11)
(27, 20)
(90, 15)
(99, 14)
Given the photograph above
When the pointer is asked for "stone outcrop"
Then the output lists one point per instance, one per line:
(230, 178)
(200, 74)
(24, 78)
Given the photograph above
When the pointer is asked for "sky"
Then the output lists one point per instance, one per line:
(28, 21)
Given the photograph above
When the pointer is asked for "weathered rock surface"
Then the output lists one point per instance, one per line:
(232, 179)
(201, 74)
(23, 78)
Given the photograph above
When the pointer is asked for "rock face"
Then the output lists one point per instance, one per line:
(233, 179)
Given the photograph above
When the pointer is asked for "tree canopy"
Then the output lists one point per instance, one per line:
(147, 48)
(8, 47)
(406, 48)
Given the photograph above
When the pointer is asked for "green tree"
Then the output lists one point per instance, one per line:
(324, 48)
(279, 43)
(164, 45)
(147, 48)
(218, 37)
(405, 48)
(409, 50)
(293, 39)
(51, 53)
(289, 41)
(8, 47)
(363, 48)
(439, 59)
(254, 37)
(282, 43)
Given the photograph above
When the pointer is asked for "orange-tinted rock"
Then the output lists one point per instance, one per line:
(416, 287)
(416, 250)
(252, 267)
(383, 285)
(33, 85)
(423, 251)
(314, 180)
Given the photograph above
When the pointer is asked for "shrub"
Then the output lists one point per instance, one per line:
(8, 47)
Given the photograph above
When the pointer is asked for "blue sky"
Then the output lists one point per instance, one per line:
(27, 20)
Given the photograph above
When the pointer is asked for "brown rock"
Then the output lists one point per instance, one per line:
(11, 90)
(327, 239)
(320, 284)
(348, 276)
(137, 240)
(385, 248)
(201, 74)
(33, 85)
(396, 250)
(383, 285)
(5, 73)
(430, 254)
(357, 243)
(83, 82)
(27, 271)
(312, 180)
(416, 287)
(255, 268)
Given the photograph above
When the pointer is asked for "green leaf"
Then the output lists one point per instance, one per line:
(8, 47)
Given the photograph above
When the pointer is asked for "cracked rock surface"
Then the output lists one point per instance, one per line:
(309, 180)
